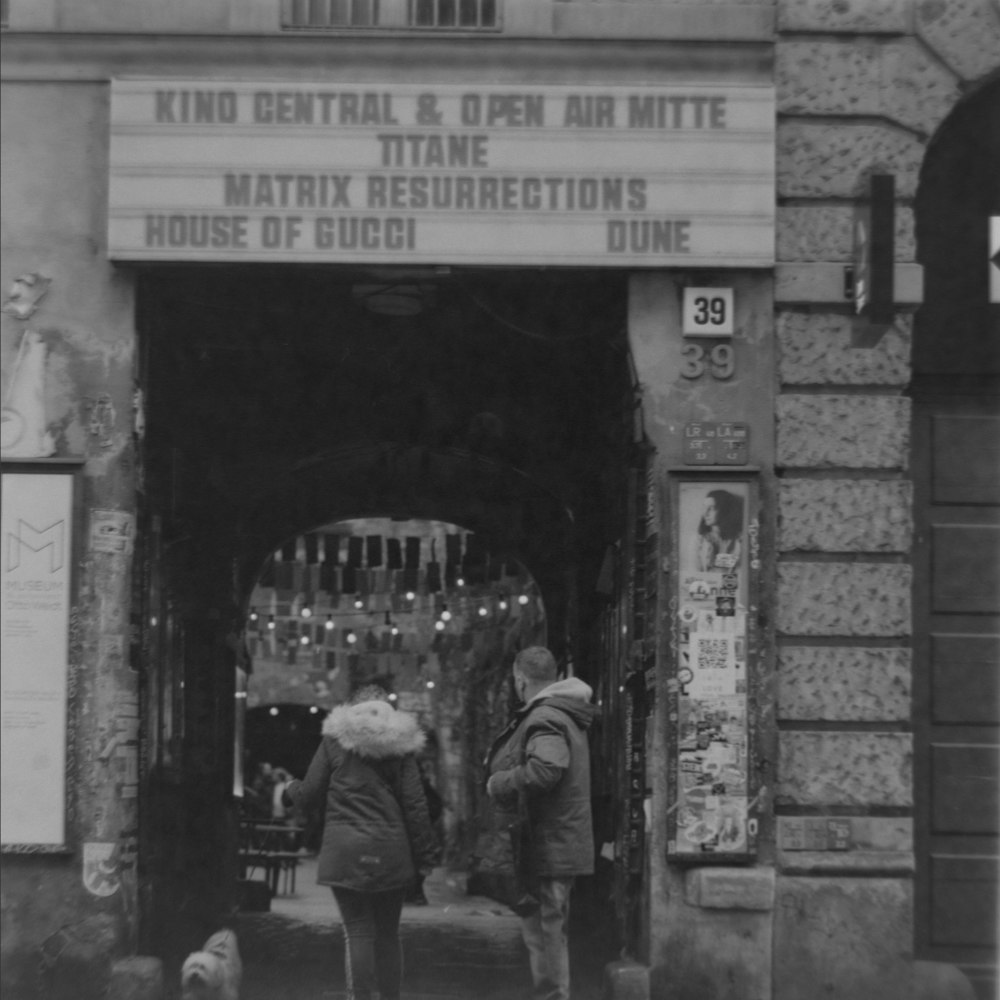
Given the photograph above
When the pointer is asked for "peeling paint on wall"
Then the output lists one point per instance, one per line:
(24, 432)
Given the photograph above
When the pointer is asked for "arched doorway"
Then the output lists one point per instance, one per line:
(278, 401)
(956, 470)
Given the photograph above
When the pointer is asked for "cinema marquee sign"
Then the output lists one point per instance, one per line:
(679, 175)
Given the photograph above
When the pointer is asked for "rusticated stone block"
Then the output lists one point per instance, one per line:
(862, 16)
(815, 348)
(964, 34)
(730, 888)
(827, 161)
(843, 939)
(845, 599)
(917, 91)
(826, 232)
(898, 80)
(827, 77)
(830, 684)
(852, 432)
(845, 769)
(844, 515)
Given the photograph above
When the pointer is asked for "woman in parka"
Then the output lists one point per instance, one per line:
(377, 834)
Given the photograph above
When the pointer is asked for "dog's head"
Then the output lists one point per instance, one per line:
(203, 976)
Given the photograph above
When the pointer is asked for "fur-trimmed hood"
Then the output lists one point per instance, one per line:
(374, 729)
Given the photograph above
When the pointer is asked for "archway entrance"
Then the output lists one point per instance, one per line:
(283, 400)
(956, 431)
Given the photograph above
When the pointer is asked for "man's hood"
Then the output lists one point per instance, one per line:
(570, 695)
(374, 729)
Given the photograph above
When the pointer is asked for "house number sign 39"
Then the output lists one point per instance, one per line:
(708, 312)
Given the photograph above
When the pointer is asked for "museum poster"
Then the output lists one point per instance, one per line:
(715, 564)
(34, 657)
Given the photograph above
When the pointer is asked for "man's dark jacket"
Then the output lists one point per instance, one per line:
(543, 753)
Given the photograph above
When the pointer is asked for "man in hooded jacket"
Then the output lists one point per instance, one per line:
(542, 761)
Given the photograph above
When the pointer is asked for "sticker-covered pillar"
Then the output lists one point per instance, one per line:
(68, 344)
(703, 350)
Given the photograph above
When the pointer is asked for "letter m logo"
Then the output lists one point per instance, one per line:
(26, 536)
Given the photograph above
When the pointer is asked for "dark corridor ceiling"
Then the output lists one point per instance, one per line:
(254, 373)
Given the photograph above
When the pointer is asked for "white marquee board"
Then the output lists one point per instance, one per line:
(617, 176)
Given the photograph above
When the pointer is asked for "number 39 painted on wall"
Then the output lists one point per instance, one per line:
(719, 362)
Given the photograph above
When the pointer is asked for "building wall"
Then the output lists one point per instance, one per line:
(862, 85)
(861, 88)
(64, 919)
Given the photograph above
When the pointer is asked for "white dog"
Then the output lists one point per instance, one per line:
(214, 973)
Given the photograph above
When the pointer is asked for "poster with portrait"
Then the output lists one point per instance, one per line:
(715, 558)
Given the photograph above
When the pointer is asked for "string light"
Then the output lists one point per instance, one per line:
(358, 603)
(329, 623)
(313, 710)
(523, 599)
(270, 622)
(273, 711)
(410, 596)
(306, 611)
(439, 625)
(460, 582)
(393, 696)
(502, 605)
(351, 637)
(430, 685)
(253, 615)
(445, 613)
(304, 640)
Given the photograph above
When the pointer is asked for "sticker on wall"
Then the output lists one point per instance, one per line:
(100, 869)
(111, 531)
(24, 432)
(25, 292)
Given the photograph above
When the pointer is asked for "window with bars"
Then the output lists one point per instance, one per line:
(438, 15)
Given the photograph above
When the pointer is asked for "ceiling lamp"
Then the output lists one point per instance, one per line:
(393, 299)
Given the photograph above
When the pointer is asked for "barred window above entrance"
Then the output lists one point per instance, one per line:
(440, 15)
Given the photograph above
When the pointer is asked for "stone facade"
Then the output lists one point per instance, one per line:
(862, 85)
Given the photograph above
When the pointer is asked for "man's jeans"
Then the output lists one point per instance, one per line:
(545, 934)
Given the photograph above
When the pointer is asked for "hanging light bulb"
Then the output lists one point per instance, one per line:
(395, 629)
(329, 623)
(460, 582)
(439, 625)
(270, 622)
(503, 604)
(304, 640)
(445, 613)
(358, 603)
(253, 615)
(430, 685)
(483, 612)
(351, 637)
(274, 710)
(523, 599)
(392, 696)
(313, 710)
(306, 611)
(410, 596)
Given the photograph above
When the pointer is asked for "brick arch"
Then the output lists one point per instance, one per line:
(958, 189)
(518, 518)
(956, 591)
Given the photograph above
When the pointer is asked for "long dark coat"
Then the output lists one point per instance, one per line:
(376, 832)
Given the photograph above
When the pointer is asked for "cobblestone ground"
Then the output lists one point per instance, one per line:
(457, 948)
